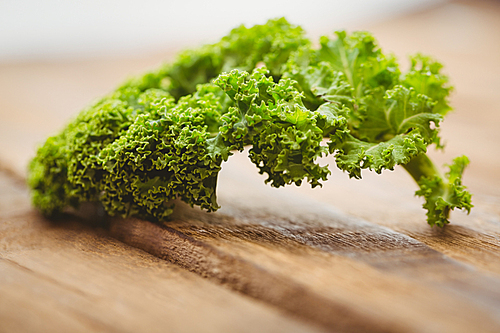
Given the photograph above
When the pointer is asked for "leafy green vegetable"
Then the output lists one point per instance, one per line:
(164, 135)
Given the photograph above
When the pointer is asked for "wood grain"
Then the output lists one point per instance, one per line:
(351, 256)
(67, 276)
(374, 291)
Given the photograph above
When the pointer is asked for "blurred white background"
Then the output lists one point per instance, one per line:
(60, 29)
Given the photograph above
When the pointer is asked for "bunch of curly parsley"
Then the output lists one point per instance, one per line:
(164, 135)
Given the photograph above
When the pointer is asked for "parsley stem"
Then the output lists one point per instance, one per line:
(421, 166)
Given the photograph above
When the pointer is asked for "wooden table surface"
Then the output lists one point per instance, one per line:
(352, 256)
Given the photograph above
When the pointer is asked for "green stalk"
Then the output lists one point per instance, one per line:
(441, 194)
(432, 187)
(421, 166)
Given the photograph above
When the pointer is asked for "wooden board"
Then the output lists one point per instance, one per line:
(67, 276)
(352, 256)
